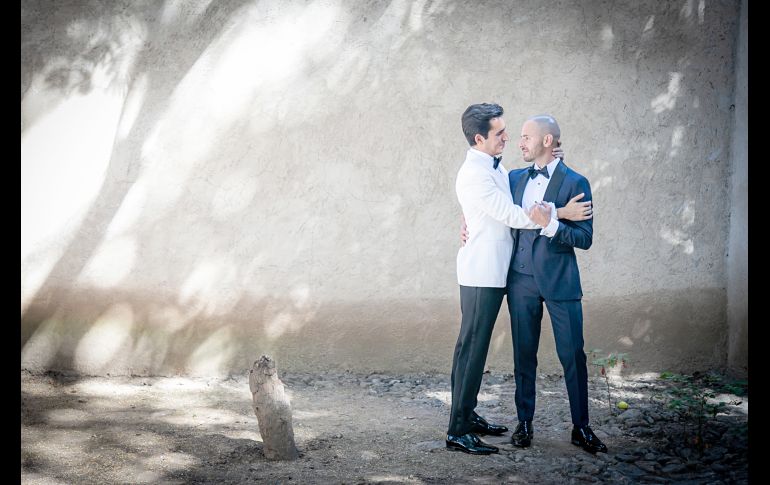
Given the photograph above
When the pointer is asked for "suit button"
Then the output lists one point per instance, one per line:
(521, 266)
(521, 249)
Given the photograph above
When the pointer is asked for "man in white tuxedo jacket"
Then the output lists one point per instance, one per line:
(484, 193)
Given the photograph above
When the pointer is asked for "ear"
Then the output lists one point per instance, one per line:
(547, 140)
(479, 139)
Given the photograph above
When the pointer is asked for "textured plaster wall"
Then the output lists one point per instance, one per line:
(203, 182)
(738, 249)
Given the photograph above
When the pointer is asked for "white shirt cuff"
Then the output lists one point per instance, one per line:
(553, 225)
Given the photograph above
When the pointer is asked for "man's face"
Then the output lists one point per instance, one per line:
(496, 138)
(531, 142)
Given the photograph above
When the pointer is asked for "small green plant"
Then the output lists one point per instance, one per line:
(603, 363)
(689, 397)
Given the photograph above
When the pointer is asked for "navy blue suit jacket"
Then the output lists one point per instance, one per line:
(554, 263)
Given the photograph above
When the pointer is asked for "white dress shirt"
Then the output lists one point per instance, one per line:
(534, 192)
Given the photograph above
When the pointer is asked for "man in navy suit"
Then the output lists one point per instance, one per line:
(545, 269)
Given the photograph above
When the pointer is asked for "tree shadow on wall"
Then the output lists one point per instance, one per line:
(77, 57)
(97, 40)
(92, 42)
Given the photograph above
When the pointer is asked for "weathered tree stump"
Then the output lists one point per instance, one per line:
(273, 410)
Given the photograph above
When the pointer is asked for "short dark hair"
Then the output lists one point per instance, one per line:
(476, 120)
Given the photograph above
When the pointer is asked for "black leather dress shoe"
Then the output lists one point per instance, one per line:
(586, 439)
(469, 443)
(481, 426)
(522, 436)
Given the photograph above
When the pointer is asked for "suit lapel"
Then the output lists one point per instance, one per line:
(521, 183)
(556, 179)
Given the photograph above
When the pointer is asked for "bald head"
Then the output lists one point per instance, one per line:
(546, 125)
(539, 135)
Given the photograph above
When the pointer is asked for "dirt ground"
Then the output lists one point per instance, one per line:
(360, 429)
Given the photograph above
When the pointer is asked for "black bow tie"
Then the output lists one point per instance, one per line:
(497, 161)
(543, 171)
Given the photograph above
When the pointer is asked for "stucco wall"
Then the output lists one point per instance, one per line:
(203, 182)
(738, 249)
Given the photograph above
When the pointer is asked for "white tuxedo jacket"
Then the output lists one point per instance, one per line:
(485, 196)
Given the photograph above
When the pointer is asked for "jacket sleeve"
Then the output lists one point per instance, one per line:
(478, 189)
(577, 234)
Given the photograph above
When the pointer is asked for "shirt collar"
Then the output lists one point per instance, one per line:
(481, 154)
(551, 166)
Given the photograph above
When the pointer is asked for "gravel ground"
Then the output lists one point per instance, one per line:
(353, 428)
